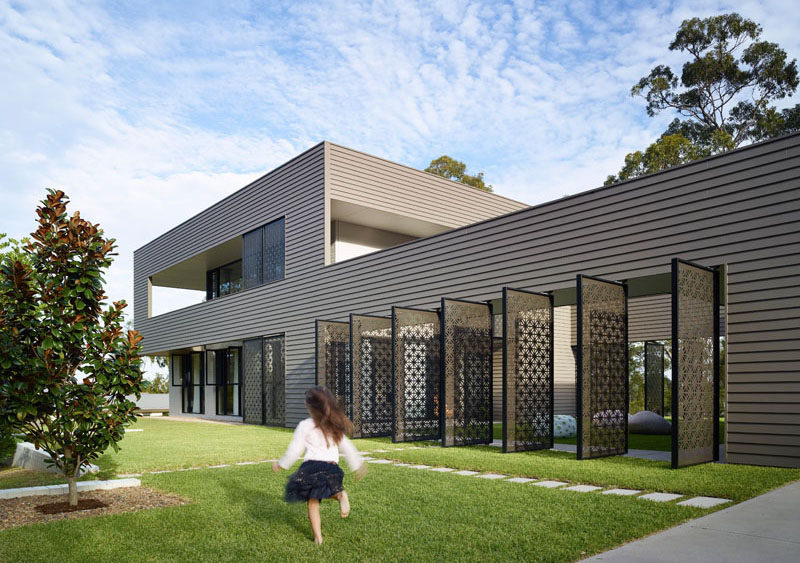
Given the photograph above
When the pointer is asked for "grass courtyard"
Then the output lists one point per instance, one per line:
(399, 513)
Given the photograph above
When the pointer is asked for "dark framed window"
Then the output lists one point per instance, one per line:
(264, 254)
(176, 370)
(226, 365)
(224, 280)
(187, 371)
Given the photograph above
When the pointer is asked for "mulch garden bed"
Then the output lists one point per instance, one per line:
(32, 510)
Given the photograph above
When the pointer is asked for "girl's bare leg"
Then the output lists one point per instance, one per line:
(344, 503)
(313, 517)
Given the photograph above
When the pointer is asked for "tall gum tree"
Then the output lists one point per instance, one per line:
(724, 95)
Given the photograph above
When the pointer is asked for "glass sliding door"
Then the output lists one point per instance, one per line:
(188, 370)
(228, 368)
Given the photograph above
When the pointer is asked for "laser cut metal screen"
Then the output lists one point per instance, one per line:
(274, 376)
(252, 380)
(466, 377)
(695, 364)
(415, 375)
(602, 385)
(654, 377)
(527, 371)
(333, 361)
(371, 364)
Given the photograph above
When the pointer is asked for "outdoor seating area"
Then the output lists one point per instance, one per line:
(427, 374)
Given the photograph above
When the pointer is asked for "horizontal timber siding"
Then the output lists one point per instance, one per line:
(741, 208)
(373, 182)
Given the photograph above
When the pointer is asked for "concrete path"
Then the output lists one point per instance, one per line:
(763, 529)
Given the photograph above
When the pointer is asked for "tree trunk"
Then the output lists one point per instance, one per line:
(73, 490)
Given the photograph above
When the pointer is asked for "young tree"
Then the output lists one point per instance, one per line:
(724, 94)
(67, 364)
(456, 170)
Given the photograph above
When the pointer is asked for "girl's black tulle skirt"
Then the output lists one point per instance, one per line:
(314, 479)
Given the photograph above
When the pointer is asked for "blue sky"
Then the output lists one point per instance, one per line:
(145, 114)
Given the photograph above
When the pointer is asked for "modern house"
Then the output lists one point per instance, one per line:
(335, 231)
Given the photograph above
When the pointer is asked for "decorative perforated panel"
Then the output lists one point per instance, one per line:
(654, 377)
(371, 364)
(466, 373)
(274, 250)
(602, 386)
(333, 361)
(415, 375)
(527, 371)
(274, 378)
(695, 366)
(251, 375)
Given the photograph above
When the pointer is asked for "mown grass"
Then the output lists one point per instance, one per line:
(398, 514)
(237, 512)
(735, 482)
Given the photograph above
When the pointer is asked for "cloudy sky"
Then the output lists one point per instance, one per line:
(147, 115)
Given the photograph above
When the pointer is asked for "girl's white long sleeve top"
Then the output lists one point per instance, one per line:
(310, 439)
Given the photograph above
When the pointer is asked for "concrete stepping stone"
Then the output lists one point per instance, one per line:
(661, 497)
(704, 502)
(466, 472)
(415, 448)
(218, 466)
(442, 469)
(367, 458)
(162, 471)
(582, 488)
(402, 465)
(134, 430)
(380, 451)
(492, 476)
(246, 462)
(549, 484)
(380, 461)
(420, 466)
(519, 480)
(621, 492)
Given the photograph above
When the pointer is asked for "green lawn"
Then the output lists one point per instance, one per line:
(398, 513)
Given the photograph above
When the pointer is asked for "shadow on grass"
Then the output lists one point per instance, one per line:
(264, 505)
(108, 467)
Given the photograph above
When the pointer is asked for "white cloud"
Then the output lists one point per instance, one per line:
(147, 116)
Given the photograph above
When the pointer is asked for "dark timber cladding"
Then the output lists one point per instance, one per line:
(695, 364)
(654, 377)
(741, 209)
(466, 375)
(527, 370)
(602, 399)
(333, 362)
(371, 369)
(415, 373)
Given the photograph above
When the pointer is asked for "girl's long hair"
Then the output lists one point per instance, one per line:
(327, 414)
